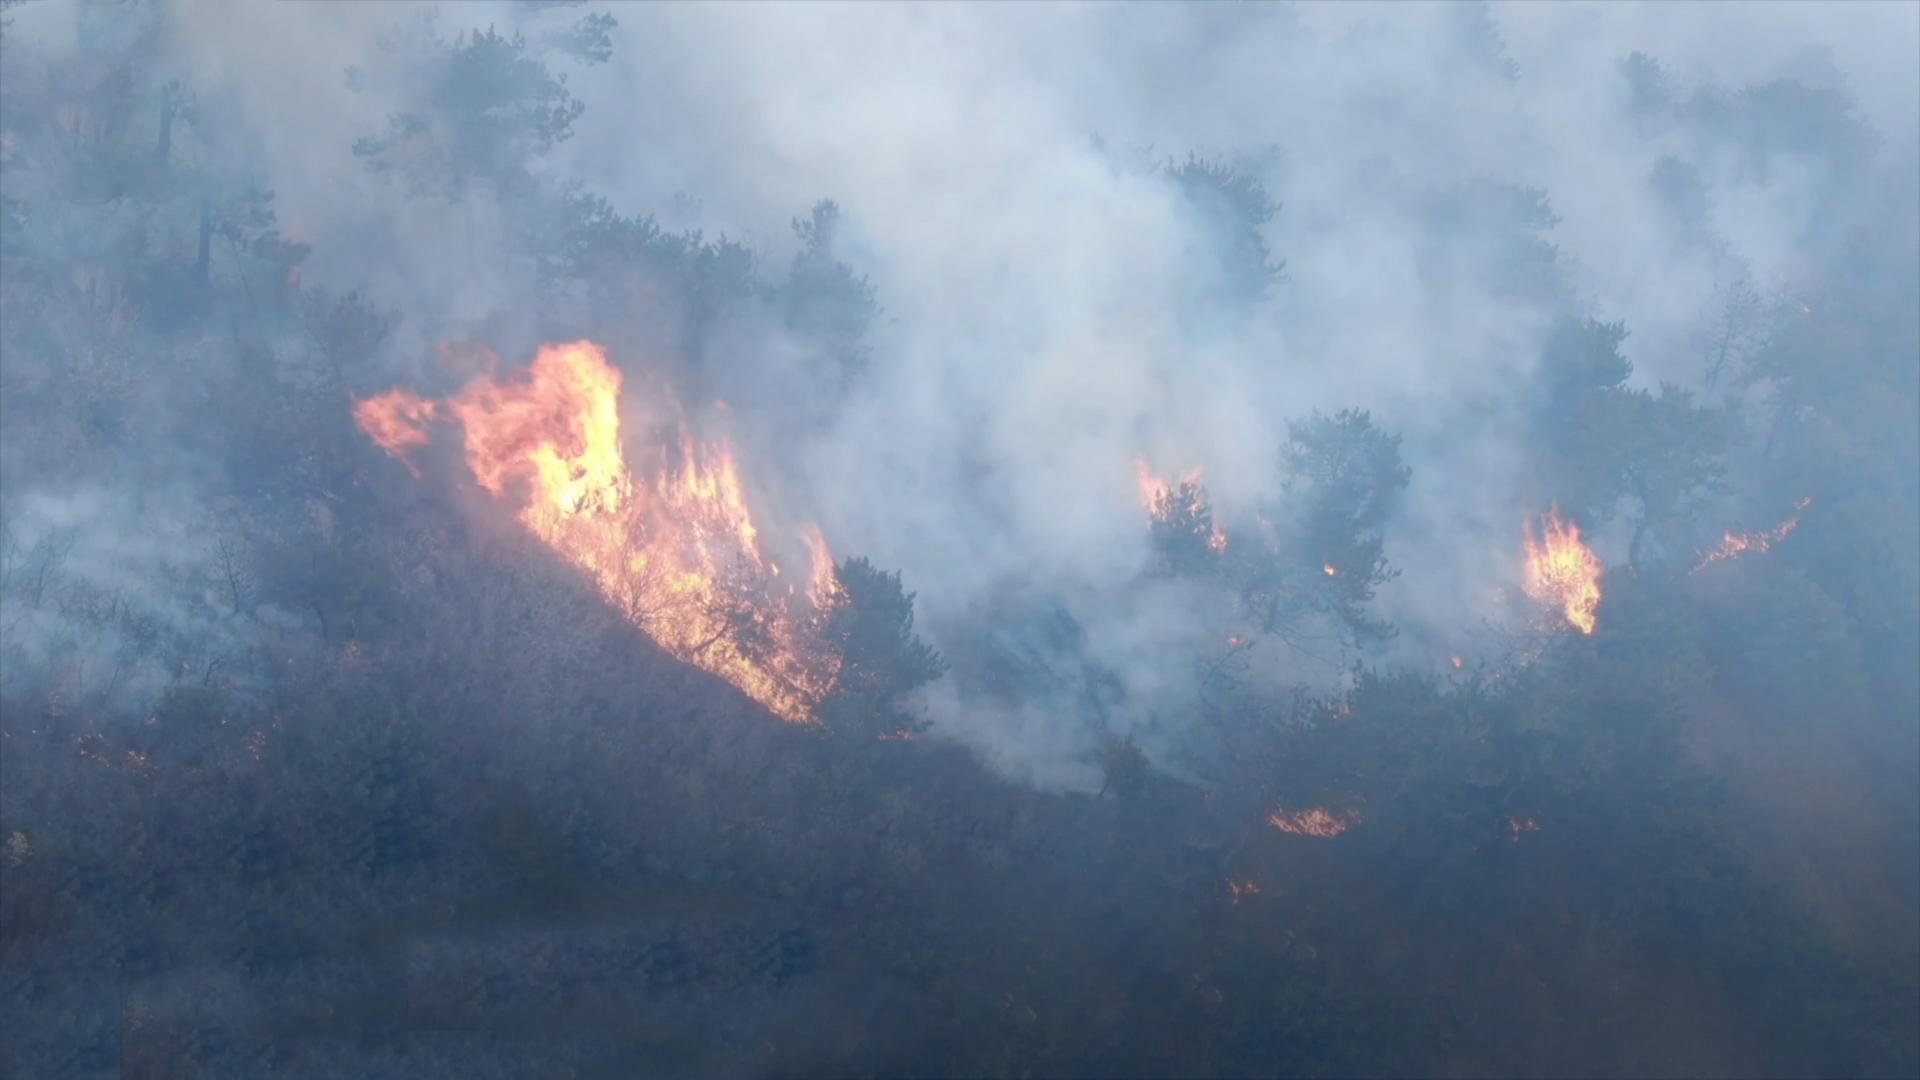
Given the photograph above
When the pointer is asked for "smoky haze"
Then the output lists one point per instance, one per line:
(971, 289)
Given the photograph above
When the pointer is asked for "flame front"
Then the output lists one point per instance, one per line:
(1562, 572)
(1737, 543)
(1318, 821)
(676, 550)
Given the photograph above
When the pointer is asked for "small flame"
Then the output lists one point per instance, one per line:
(1236, 890)
(1521, 826)
(1563, 572)
(1318, 821)
(1330, 570)
(1163, 499)
(825, 586)
(1457, 662)
(1737, 543)
(1155, 491)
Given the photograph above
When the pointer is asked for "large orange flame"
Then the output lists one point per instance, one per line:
(1737, 543)
(1562, 572)
(673, 547)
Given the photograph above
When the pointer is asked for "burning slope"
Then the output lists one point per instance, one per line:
(1562, 572)
(1737, 543)
(670, 542)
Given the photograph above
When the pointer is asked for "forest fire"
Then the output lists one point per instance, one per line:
(1739, 543)
(671, 542)
(397, 420)
(1167, 501)
(1563, 572)
(1318, 821)
(1153, 489)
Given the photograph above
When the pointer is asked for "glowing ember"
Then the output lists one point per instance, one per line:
(1318, 821)
(1562, 572)
(1521, 826)
(1238, 889)
(1738, 543)
(673, 546)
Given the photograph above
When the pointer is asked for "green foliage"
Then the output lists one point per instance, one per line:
(1233, 209)
(869, 631)
(1342, 479)
(825, 299)
(1601, 441)
(492, 109)
(589, 40)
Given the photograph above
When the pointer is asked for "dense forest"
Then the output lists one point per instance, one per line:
(549, 540)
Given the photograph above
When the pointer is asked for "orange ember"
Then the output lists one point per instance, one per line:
(672, 545)
(1738, 543)
(1318, 821)
(1563, 572)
